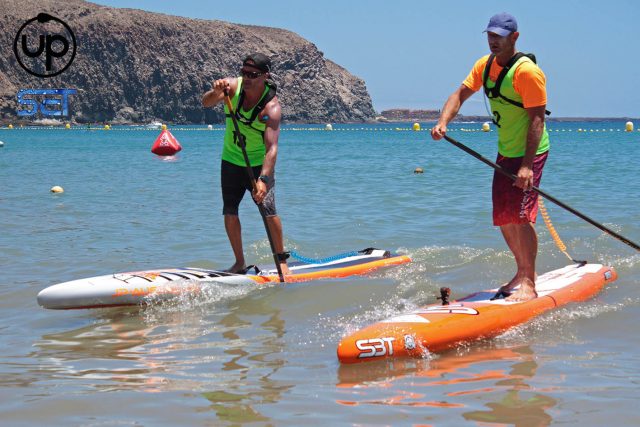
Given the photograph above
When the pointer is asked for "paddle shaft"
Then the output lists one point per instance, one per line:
(543, 194)
(240, 140)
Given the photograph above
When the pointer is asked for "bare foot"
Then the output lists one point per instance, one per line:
(507, 289)
(285, 269)
(526, 292)
(237, 268)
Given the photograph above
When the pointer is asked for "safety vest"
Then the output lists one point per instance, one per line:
(250, 126)
(509, 113)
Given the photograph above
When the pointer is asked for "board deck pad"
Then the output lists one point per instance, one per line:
(438, 327)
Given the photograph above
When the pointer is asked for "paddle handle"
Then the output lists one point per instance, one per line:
(544, 194)
(242, 144)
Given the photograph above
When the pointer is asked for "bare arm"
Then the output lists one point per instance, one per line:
(271, 135)
(534, 134)
(216, 94)
(450, 110)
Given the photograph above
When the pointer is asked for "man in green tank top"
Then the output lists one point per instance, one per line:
(258, 113)
(516, 89)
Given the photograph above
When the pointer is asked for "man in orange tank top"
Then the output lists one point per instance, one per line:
(522, 145)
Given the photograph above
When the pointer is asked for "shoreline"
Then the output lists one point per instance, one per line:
(482, 119)
(4, 124)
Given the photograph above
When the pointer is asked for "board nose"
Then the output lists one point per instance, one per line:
(46, 297)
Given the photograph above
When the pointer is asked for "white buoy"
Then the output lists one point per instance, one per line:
(328, 126)
(57, 189)
(210, 127)
(418, 170)
(1, 144)
(486, 127)
(628, 127)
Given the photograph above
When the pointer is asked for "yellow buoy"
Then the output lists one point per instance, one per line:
(628, 127)
(10, 126)
(486, 127)
(418, 170)
(328, 126)
(67, 126)
(57, 189)
(416, 126)
(164, 127)
(107, 127)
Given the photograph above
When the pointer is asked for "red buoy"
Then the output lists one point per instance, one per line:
(166, 144)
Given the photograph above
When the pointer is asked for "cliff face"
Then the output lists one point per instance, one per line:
(135, 66)
(403, 114)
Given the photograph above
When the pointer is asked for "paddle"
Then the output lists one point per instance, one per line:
(242, 143)
(543, 194)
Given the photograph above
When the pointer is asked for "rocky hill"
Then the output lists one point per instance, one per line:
(136, 66)
(404, 114)
(407, 115)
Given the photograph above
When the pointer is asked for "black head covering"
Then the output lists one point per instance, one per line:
(259, 61)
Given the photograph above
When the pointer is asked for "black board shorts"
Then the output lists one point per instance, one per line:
(235, 182)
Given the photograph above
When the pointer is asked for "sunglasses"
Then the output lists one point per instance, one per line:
(250, 74)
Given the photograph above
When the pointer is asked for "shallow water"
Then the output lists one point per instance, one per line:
(266, 356)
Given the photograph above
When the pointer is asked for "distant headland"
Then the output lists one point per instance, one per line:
(407, 115)
(137, 67)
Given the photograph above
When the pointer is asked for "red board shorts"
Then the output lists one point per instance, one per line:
(512, 205)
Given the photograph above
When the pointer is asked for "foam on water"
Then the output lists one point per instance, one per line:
(557, 324)
(198, 295)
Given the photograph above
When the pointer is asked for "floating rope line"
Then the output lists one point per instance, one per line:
(322, 260)
(288, 129)
(554, 234)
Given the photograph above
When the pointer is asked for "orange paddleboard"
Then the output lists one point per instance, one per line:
(438, 327)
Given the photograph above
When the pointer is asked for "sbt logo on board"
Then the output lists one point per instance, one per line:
(47, 102)
(375, 347)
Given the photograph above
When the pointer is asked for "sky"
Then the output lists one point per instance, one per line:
(414, 54)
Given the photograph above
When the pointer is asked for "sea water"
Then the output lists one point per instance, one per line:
(267, 356)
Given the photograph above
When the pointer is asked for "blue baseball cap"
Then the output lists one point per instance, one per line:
(502, 24)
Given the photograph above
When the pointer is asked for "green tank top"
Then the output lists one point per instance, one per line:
(253, 133)
(513, 120)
